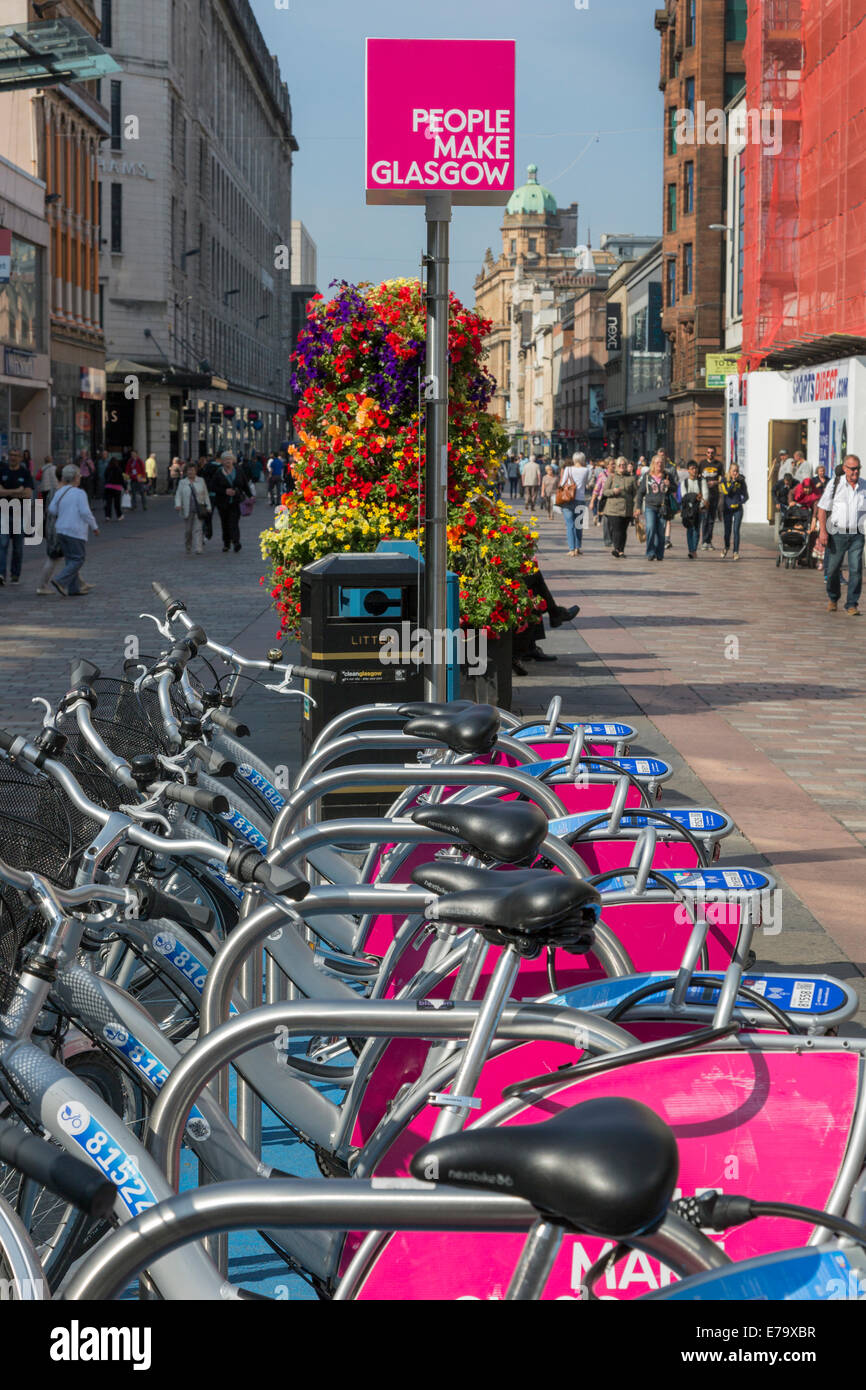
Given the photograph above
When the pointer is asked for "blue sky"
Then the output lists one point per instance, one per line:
(579, 71)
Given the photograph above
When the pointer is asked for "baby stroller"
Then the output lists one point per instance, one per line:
(795, 537)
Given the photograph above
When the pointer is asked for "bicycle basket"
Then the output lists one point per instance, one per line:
(36, 833)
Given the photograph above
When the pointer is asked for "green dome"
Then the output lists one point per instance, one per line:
(532, 196)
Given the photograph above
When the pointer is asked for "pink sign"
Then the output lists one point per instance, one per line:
(440, 119)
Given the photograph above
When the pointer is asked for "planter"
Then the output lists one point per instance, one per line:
(494, 687)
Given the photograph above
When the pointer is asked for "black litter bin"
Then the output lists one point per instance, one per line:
(357, 612)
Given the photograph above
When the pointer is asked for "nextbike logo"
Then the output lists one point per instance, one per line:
(441, 647)
(22, 516)
(725, 909)
(77, 1343)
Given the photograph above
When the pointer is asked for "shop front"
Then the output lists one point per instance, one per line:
(820, 410)
(78, 408)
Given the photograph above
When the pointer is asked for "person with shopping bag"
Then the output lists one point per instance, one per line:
(231, 488)
(192, 501)
(571, 499)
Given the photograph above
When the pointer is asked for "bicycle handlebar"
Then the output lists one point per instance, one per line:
(211, 802)
(212, 761)
(231, 726)
(63, 1174)
(311, 673)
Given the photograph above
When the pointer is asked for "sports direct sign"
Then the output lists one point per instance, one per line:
(440, 119)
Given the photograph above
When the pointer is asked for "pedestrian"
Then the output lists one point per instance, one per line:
(548, 490)
(693, 501)
(619, 498)
(513, 469)
(711, 474)
(151, 473)
(734, 496)
(230, 486)
(841, 526)
(101, 465)
(136, 477)
(652, 497)
(673, 506)
(531, 480)
(87, 469)
(525, 644)
(571, 498)
(113, 489)
(16, 484)
(276, 468)
(73, 520)
(782, 495)
(193, 502)
(802, 471)
(47, 480)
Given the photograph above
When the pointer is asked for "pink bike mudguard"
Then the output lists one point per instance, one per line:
(755, 1123)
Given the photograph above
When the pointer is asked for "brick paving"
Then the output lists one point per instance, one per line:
(40, 636)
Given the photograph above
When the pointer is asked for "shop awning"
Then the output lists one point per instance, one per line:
(124, 366)
(48, 52)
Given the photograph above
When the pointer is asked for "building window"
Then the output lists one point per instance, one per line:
(21, 298)
(116, 118)
(734, 82)
(687, 268)
(690, 94)
(672, 130)
(105, 28)
(532, 243)
(116, 219)
(735, 21)
(689, 187)
(741, 226)
(690, 23)
(513, 245)
(672, 283)
(672, 207)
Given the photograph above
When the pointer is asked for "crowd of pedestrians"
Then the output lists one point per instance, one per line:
(122, 482)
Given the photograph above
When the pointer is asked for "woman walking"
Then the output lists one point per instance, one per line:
(230, 487)
(571, 497)
(113, 489)
(735, 495)
(619, 494)
(653, 497)
(73, 520)
(548, 488)
(193, 502)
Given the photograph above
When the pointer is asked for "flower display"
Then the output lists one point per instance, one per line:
(358, 469)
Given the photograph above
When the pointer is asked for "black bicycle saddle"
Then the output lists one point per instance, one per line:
(450, 876)
(607, 1166)
(545, 909)
(469, 730)
(510, 831)
(423, 709)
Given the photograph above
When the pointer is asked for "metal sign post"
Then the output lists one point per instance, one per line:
(438, 213)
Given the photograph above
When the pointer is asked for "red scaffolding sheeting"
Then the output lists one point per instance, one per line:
(804, 251)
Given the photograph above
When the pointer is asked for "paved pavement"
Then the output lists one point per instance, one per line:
(734, 673)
